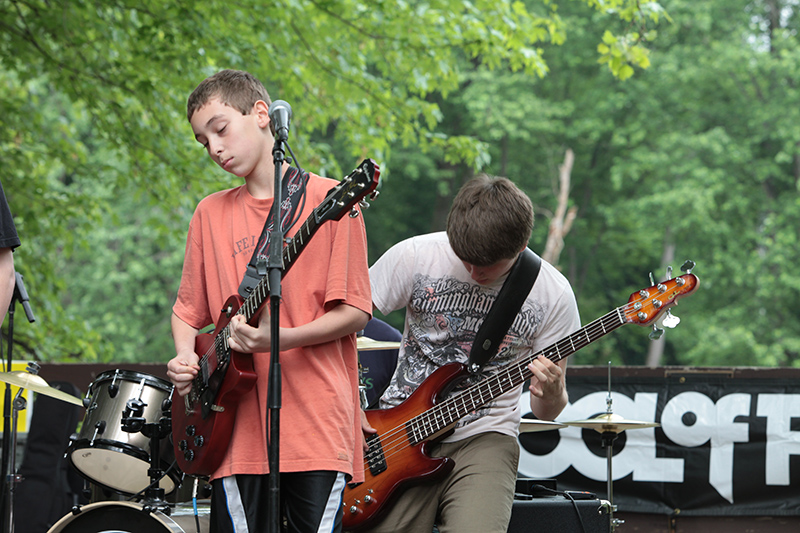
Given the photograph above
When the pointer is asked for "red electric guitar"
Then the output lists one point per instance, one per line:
(203, 422)
(398, 452)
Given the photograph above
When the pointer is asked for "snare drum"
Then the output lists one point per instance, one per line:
(127, 517)
(107, 455)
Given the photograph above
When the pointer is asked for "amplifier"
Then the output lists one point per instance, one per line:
(558, 513)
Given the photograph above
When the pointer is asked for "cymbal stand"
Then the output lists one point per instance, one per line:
(8, 455)
(19, 404)
(608, 438)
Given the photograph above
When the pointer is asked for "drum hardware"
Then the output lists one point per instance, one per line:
(134, 422)
(111, 449)
(19, 404)
(129, 517)
(610, 425)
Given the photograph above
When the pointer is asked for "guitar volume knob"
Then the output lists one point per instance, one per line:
(190, 431)
(199, 441)
(183, 445)
(188, 455)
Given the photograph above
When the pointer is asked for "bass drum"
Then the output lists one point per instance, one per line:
(115, 459)
(128, 517)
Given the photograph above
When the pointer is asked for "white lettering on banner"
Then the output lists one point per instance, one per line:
(638, 456)
(712, 423)
(782, 442)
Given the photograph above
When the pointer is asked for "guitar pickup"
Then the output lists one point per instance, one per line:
(375, 457)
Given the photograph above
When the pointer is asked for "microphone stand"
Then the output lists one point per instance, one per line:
(9, 440)
(275, 266)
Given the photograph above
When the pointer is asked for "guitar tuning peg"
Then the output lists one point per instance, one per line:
(353, 213)
(374, 194)
(364, 204)
(669, 271)
(652, 281)
(656, 333)
(688, 266)
(670, 320)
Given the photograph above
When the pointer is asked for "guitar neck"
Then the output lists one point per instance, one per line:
(258, 297)
(446, 413)
(339, 200)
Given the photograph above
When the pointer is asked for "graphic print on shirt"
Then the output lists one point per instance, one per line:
(453, 311)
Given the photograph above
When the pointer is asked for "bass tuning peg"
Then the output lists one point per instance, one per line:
(670, 320)
(656, 333)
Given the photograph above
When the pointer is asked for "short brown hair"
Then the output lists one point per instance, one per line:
(236, 88)
(490, 220)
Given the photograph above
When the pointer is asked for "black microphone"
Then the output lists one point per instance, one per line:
(22, 295)
(280, 114)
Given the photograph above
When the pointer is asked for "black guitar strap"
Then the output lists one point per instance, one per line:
(292, 189)
(504, 309)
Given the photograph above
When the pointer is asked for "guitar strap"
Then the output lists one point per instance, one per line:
(293, 185)
(504, 309)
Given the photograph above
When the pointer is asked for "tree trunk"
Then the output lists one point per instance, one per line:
(561, 222)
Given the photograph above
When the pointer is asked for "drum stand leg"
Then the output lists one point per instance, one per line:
(608, 438)
(133, 422)
(13, 478)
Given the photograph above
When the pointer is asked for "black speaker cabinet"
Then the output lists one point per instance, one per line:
(557, 513)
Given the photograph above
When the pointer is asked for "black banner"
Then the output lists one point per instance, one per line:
(726, 445)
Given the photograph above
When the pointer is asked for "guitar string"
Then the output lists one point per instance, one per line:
(250, 305)
(524, 374)
(396, 443)
(433, 419)
(303, 234)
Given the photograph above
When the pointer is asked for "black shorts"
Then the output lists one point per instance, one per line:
(310, 502)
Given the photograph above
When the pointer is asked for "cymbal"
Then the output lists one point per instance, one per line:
(610, 422)
(32, 382)
(365, 344)
(530, 425)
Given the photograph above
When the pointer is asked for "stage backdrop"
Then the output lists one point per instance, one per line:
(729, 441)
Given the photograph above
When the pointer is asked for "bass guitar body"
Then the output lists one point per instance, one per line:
(396, 458)
(398, 453)
(206, 416)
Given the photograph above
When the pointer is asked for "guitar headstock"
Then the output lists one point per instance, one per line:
(350, 191)
(646, 305)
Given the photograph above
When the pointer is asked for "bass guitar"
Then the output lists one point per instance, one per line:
(398, 453)
(203, 422)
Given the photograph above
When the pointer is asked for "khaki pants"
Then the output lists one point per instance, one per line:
(475, 497)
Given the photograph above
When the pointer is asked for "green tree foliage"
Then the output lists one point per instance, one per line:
(700, 153)
(697, 154)
(716, 165)
(101, 170)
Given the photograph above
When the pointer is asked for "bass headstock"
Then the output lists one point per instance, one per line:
(645, 306)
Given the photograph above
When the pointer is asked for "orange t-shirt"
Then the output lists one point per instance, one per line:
(319, 418)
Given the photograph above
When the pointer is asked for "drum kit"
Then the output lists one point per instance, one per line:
(121, 447)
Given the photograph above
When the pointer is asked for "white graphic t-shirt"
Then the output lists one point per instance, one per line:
(445, 309)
